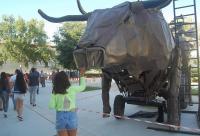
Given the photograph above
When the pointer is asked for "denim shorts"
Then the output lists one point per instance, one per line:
(18, 96)
(66, 120)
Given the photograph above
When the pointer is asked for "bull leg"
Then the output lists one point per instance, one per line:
(173, 111)
(173, 103)
(106, 84)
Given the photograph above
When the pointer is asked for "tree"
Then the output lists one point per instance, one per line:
(186, 33)
(24, 42)
(66, 39)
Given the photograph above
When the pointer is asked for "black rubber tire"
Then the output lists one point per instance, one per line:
(119, 106)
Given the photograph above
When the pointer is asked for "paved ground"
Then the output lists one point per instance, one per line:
(40, 121)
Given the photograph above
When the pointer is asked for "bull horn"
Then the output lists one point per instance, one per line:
(159, 4)
(64, 18)
(80, 7)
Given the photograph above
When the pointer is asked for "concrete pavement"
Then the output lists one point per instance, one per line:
(40, 121)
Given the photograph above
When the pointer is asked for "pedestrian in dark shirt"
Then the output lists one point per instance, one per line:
(33, 85)
(12, 83)
(20, 88)
(4, 92)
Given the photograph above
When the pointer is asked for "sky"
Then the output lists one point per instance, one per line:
(27, 9)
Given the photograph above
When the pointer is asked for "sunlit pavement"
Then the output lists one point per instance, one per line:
(40, 121)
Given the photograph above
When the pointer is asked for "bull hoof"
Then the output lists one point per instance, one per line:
(106, 115)
(160, 120)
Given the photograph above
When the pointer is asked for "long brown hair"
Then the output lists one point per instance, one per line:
(4, 83)
(60, 83)
(20, 82)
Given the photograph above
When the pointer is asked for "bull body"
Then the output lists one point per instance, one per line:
(133, 45)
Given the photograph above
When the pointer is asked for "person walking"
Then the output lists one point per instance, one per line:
(63, 100)
(20, 88)
(4, 92)
(26, 75)
(12, 83)
(1, 105)
(42, 78)
(33, 85)
(53, 75)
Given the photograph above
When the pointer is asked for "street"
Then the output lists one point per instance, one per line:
(40, 121)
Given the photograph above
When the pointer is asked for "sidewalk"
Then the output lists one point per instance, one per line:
(40, 121)
(33, 124)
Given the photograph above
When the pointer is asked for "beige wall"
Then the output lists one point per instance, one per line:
(11, 66)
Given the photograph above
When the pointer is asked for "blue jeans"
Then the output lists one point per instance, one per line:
(66, 120)
(14, 102)
(5, 99)
(33, 91)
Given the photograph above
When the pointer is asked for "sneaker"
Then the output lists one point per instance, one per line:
(20, 118)
(5, 115)
(106, 115)
(34, 105)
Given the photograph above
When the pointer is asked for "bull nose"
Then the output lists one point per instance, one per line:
(91, 44)
(86, 44)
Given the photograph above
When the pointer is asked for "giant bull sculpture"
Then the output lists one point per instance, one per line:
(133, 45)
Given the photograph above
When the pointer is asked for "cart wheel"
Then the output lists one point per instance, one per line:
(119, 105)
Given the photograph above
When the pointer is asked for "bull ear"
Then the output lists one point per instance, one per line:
(80, 7)
(159, 4)
(64, 18)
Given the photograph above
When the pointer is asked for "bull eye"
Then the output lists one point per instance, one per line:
(126, 19)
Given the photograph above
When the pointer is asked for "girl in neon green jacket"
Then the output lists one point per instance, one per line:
(63, 100)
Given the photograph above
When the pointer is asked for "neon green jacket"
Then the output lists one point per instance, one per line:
(67, 102)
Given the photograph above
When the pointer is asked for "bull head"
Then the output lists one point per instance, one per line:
(104, 43)
(147, 4)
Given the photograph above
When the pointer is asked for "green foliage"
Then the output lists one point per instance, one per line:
(66, 39)
(185, 35)
(183, 29)
(24, 42)
(195, 91)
